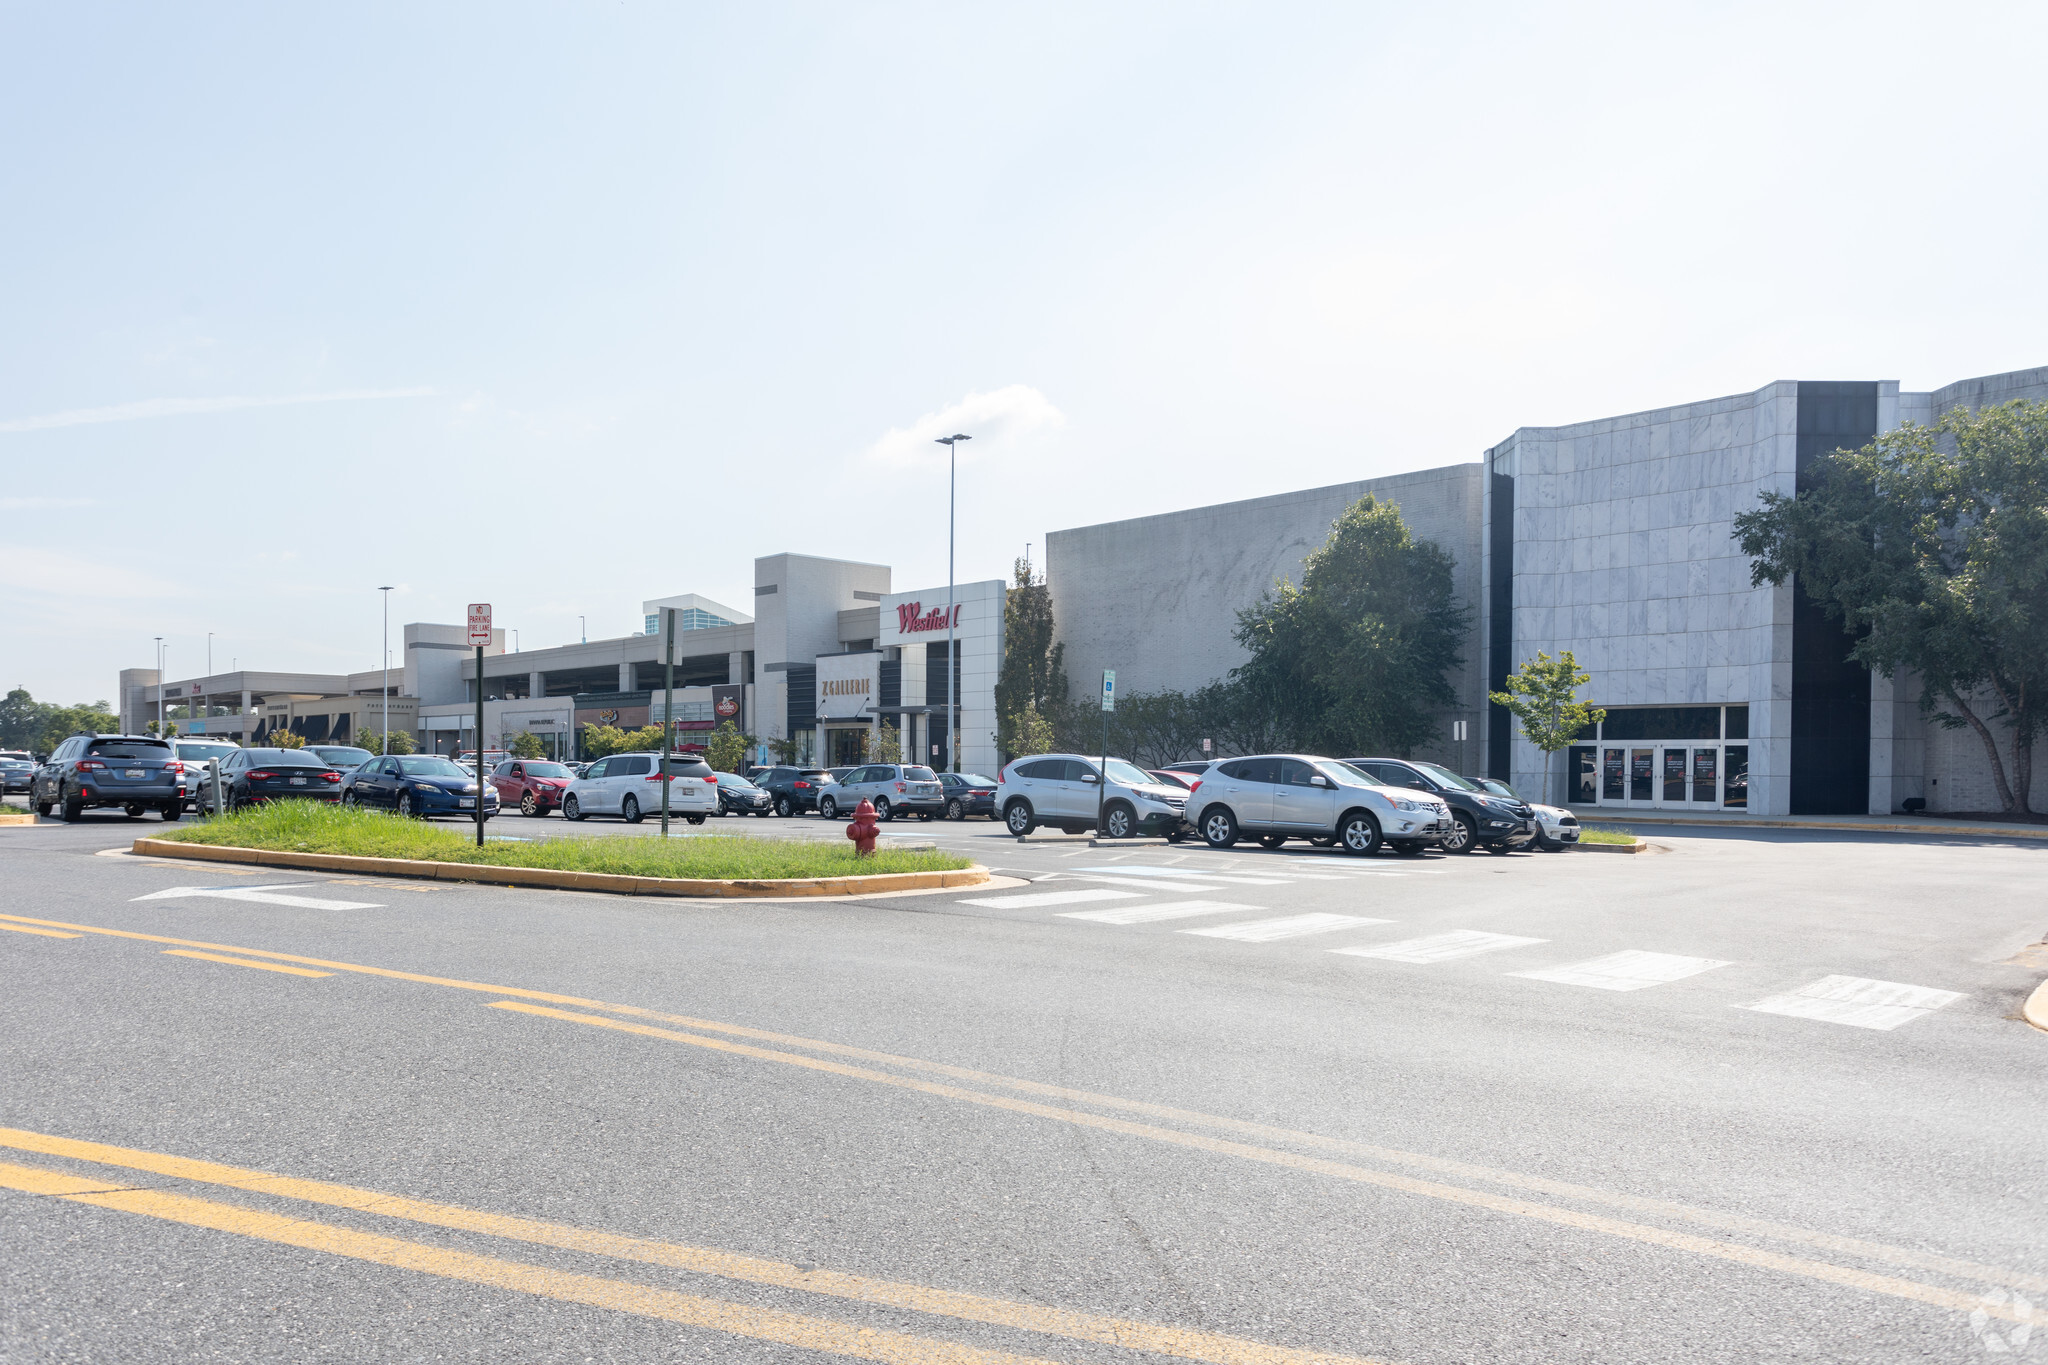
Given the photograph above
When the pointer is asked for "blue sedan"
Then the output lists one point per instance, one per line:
(416, 784)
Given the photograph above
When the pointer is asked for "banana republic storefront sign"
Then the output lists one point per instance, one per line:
(849, 685)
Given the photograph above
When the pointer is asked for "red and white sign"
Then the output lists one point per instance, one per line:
(913, 619)
(480, 623)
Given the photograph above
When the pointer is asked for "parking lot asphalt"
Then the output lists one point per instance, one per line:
(1558, 1107)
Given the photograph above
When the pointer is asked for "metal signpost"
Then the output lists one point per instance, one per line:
(1108, 705)
(668, 704)
(479, 635)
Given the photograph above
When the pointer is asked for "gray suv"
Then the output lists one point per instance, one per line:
(133, 772)
(894, 788)
(1277, 797)
(1066, 790)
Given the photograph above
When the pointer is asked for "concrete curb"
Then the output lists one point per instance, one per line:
(1637, 847)
(17, 817)
(2035, 1011)
(550, 879)
(1635, 817)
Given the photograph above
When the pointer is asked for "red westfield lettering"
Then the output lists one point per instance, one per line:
(912, 618)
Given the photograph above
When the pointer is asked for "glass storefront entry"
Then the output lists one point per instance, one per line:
(1665, 758)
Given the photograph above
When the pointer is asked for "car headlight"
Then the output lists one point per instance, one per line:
(1409, 805)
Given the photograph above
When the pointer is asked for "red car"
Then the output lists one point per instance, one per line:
(533, 785)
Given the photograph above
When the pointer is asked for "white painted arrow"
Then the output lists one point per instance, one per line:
(267, 895)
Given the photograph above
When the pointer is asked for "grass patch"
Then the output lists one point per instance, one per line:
(303, 827)
(1606, 834)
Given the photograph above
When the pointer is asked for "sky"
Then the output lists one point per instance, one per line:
(563, 307)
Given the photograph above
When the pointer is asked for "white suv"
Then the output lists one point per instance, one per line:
(1065, 790)
(1277, 797)
(626, 785)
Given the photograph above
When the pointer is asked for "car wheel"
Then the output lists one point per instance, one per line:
(572, 809)
(1321, 842)
(1462, 834)
(133, 810)
(173, 811)
(883, 810)
(1272, 840)
(405, 806)
(828, 808)
(1408, 848)
(42, 808)
(783, 808)
(696, 819)
(1500, 847)
(350, 801)
(1219, 827)
(1018, 819)
(1119, 821)
(956, 809)
(529, 804)
(1360, 833)
(630, 809)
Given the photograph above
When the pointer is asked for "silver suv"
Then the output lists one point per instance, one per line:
(894, 788)
(1277, 797)
(1066, 790)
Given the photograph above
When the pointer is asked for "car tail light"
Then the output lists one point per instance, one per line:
(261, 775)
(90, 765)
(174, 767)
(899, 787)
(801, 786)
(713, 779)
(330, 777)
(1195, 787)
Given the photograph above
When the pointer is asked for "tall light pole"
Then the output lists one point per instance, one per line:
(952, 445)
(209, 653)
(385, 745)
(159, 687)
(583, 628)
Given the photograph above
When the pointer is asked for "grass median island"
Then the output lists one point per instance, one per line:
(1606, 834)
(302, 827)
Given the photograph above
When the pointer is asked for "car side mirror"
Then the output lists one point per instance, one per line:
(1319, 781)
(1090, 777)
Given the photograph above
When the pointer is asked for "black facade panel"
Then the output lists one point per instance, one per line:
(1830, 693)
(802, 712)
(1500, 607)
(892, 683)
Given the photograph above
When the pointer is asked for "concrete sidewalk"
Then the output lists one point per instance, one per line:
(1890, 824)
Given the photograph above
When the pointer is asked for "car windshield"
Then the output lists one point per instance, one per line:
(546, 770)
(1129, 776)
(286, 758)
(917, 774)
(431, 766)
(1344, 775)
(1445, 777)
(205, 753)
(735, 780)
(345, 755)
(130, 748)
(977, 780)
(1499, 788)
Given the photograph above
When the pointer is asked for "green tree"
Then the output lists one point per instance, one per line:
(21, 721)
(60, 723)
(388, 742)
(1029, 733)
(526, 744)
(728, 748)
(1033, 677)
(887, 746)
(1543, 697)
(285, 739)
(1354, 660)
(1930, 546)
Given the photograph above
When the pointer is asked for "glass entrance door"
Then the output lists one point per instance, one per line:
(1667, 776)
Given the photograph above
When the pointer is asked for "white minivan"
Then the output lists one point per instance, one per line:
(1066, 790)
(628, 786)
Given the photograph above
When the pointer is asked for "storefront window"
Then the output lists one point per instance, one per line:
(1662, 722)
(1582, 767)
(1703, 779)
(1674, 774)
(1736, 792)
(1610, 776)
(1738, 722)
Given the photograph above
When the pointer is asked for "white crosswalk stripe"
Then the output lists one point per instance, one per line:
(1146, 914)
(1628, 970)
(1147, 884)
(1440, 947)
(1293, 926)
(1858, 1002)
(1237, 879)
(1043, 898)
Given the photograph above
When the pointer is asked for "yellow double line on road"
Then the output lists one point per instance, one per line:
(1719, 1248)
(767, 1324)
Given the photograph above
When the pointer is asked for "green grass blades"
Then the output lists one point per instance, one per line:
(304, 827)
(1606, 834)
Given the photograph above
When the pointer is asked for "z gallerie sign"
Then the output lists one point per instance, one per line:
(913, 619)
(848, 685)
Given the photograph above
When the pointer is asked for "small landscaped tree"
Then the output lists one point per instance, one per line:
(1930, 546)
(1543, 696)
(285, 739)
(727, 748)
(526, 744)
(389, 742)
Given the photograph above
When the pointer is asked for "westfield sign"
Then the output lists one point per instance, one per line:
(913, 619)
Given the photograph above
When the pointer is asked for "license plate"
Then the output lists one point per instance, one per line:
(298, 781)
(133, 772)
(465, 803)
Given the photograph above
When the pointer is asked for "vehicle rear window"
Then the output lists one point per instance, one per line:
(288, 758)
(206, 753)
(916, 774)
(1047, 769)
(684, 767)
(430, 766)
(130, 748)
(547, 770)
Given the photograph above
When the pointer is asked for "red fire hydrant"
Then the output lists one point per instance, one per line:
(862, 830)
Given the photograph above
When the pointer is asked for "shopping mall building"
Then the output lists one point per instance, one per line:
(1611, 538)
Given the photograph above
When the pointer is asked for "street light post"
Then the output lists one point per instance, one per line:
(160, 686)
(385, 744)
(583, 628)
(951, 443)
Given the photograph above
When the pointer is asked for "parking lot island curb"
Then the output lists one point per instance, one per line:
(2035, 1011)
(17, 817)
(1637, 847)
(551, 879)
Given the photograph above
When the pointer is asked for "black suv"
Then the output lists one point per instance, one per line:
(134, 772)
(793, 790)
(1480, 819)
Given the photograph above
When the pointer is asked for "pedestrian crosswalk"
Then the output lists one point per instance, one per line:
(1139, 895)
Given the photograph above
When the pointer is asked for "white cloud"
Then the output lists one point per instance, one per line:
(990, 418)
(179, 407)
(40, 504)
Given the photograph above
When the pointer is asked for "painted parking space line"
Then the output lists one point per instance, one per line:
(263, 895)
(1043, 898)
(1858, 1002)
(1238, 879)
(1147, 914)
(1293, 926)
(1138, 870)
(244, 962)
(1440, 947)
(1148, 884)
(44, 933)
(1628, 970)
